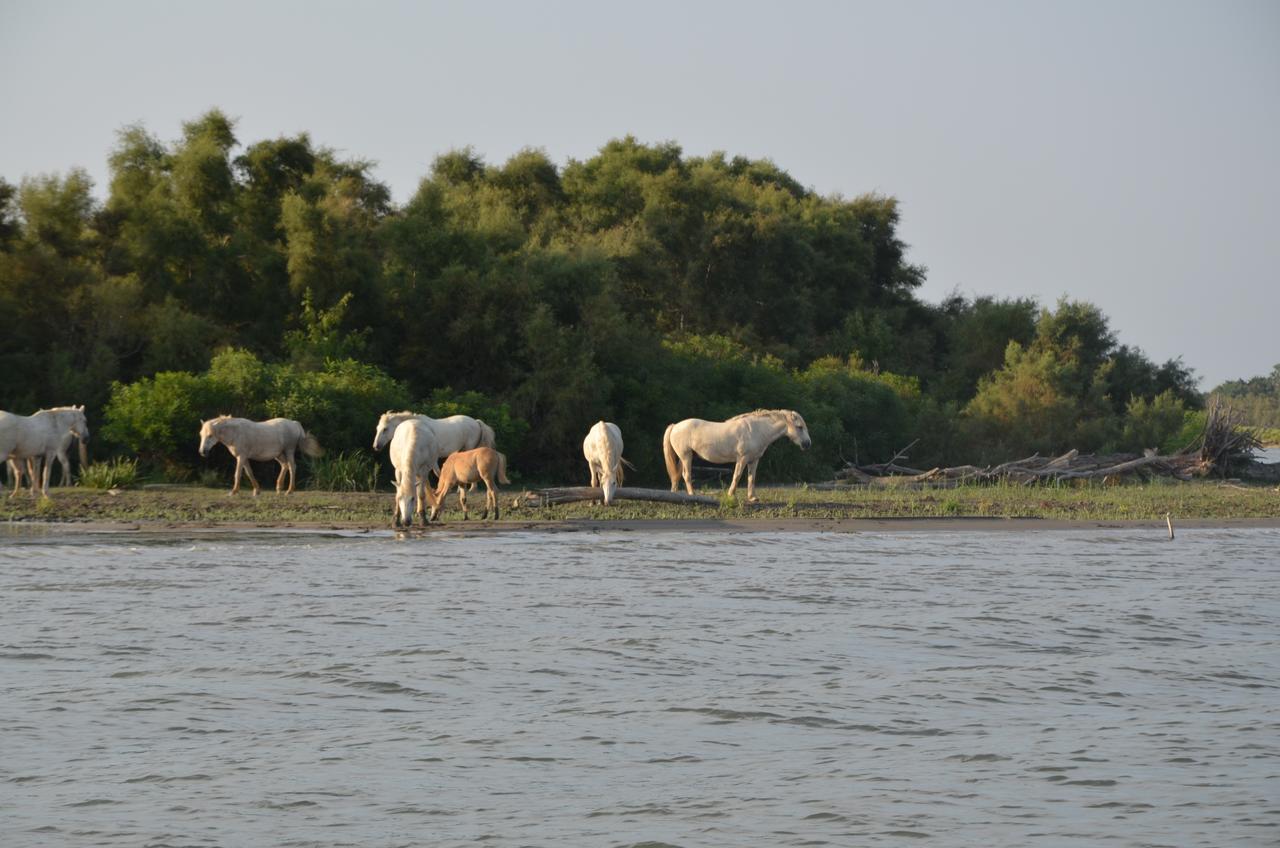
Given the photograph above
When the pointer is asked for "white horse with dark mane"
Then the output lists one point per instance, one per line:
(603, 451)
(414, 451)
(38, 439)
(741, 440)
(279, 439)
(452, 434)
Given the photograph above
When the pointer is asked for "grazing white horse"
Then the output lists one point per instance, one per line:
(453, 434)
(278, 439)
(39, 438)
(414, 449)
(742, 440)
(603, 450)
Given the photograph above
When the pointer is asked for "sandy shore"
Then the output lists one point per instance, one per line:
(693, 525)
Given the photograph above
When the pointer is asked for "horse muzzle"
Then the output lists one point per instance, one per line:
(806, 444)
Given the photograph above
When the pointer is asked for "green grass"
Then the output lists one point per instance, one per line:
(193, 503)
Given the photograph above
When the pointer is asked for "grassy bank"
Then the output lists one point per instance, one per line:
(199, 505)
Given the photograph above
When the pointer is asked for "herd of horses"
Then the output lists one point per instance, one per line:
(417, 444)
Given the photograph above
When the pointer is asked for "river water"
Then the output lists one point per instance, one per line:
(624, 688)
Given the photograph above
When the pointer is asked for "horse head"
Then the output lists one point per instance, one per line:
(80, 424)
(209, 434)
(797, 432)
(387, 427)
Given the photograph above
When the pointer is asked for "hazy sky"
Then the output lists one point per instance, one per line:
(1125, 153)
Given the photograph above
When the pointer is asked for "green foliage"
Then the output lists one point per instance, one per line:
(639, 285)
(1153, 424)
(1062, 391)
(156, 416)
(118, 473)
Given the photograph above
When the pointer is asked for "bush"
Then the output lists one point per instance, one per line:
(119, 473)
(1154, 423)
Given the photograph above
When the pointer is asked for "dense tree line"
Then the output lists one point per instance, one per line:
(641, 286)
(1257, 398)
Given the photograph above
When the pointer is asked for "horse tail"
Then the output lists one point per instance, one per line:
(310, 446)
(669, 454)
(502, 469)
(487, 438)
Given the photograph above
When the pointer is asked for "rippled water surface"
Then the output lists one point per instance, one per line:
(615, 688)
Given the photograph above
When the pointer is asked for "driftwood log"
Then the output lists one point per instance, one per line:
(572, 494)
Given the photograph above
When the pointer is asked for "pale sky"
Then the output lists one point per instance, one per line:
(1124, 153)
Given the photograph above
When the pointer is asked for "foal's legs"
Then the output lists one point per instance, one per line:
(490, 499)
(462, 500)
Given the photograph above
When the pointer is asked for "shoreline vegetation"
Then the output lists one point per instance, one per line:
(1201, 502)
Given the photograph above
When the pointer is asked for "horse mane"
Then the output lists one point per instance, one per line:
(759, 413)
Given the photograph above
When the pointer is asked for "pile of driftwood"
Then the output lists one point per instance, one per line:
(1223, 447)
(1072, 465)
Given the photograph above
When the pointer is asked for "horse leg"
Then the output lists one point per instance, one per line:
(48, 472)
(493, 495)
(462, 500)
(686, 469)
(293, 469)
(248, 472)
(751, 482)
(284, 469)
(737, 473)
(33, 471)
(235, 482)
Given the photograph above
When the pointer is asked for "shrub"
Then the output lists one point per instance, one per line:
(354, 471)
(118, 473)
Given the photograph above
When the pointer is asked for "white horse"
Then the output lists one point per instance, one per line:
(17, 471)
(39, 438)
(453, 434)
(603, 450)
(278, 439)
(742, 440)
(414, 451)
